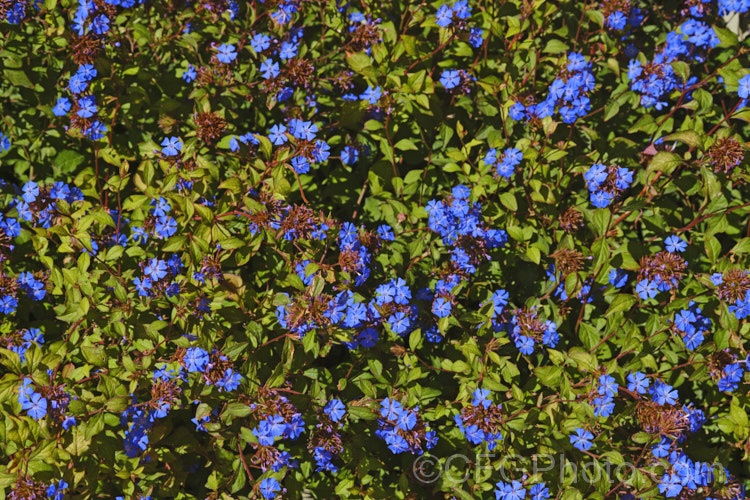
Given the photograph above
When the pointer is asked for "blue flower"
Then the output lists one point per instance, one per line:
(260, 42)
(444, 16)
(601, 199)
(142, 286)
(172, 146)
(743, 89)
(663, 393)
(349, 155)
(662, 449)
(195, 359)
(62, 107)
(30, 191)
(476, 37)
(474, 434)
(693, 339)
(607, 385)
(269, 486)
(581, 439)
(304, 130)
(450, 78)
(675, 244)
(399, 322)
(646, 289)
(481, 398)
(539, 492)
(226, 53)
(670, 485)
(616, 20)
(156, 269)
(618, 278)
(603, 406)
(288, 50)
(277, 135)
(77, 84)
(269, 69)
(55, 492)
(525, 344)
(371, 95)
(87, 107)
(100, 24)
(441, 307)
(406, 419)
(35, 406)
(335, 409)
(189, 74)
(300, 164)
(461, 9)
(637, 382)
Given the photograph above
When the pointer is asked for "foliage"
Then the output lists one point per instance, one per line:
(267, 249)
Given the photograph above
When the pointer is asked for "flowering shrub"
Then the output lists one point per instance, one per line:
(287, 249)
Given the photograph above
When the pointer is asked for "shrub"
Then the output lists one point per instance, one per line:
(387, 250)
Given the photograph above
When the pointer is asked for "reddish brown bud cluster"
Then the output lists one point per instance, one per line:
(58, 399)
(345, 81)
(664, 420)
(306, 309)
(663, 267)
(611, 6)
(365, 35)
(487, 419)
(218, 364)
(326, 435)
(570, 220)
(529, 325)
(86, 49)
(26, 489)
(734, 285)
(567, 261)
(164, 394)
(298, 71)
(725, 154)
(210, 126)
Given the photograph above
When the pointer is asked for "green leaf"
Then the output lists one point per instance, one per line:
(18, 78)
(509, 201)
(358, 61)
(534, 254)
(621, 302)
(405, 145)
(555, 46)
(610, 110)
(664, 162)
(689, 137)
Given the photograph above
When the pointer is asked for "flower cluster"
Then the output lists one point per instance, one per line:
(662, 271)
(480, 421)
(278, 419)
(518, 490)
(507, 162)
(46, 400)
(459, 223)
(325, 441)
(567, 94)
(605, 183)
(403, 429)
(456, 16)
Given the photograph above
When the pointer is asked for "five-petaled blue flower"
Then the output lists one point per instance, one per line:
(172, 146)
(226, 53)
(675, 244)
(581, 439)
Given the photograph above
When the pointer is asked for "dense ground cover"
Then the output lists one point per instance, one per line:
(480, 249)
